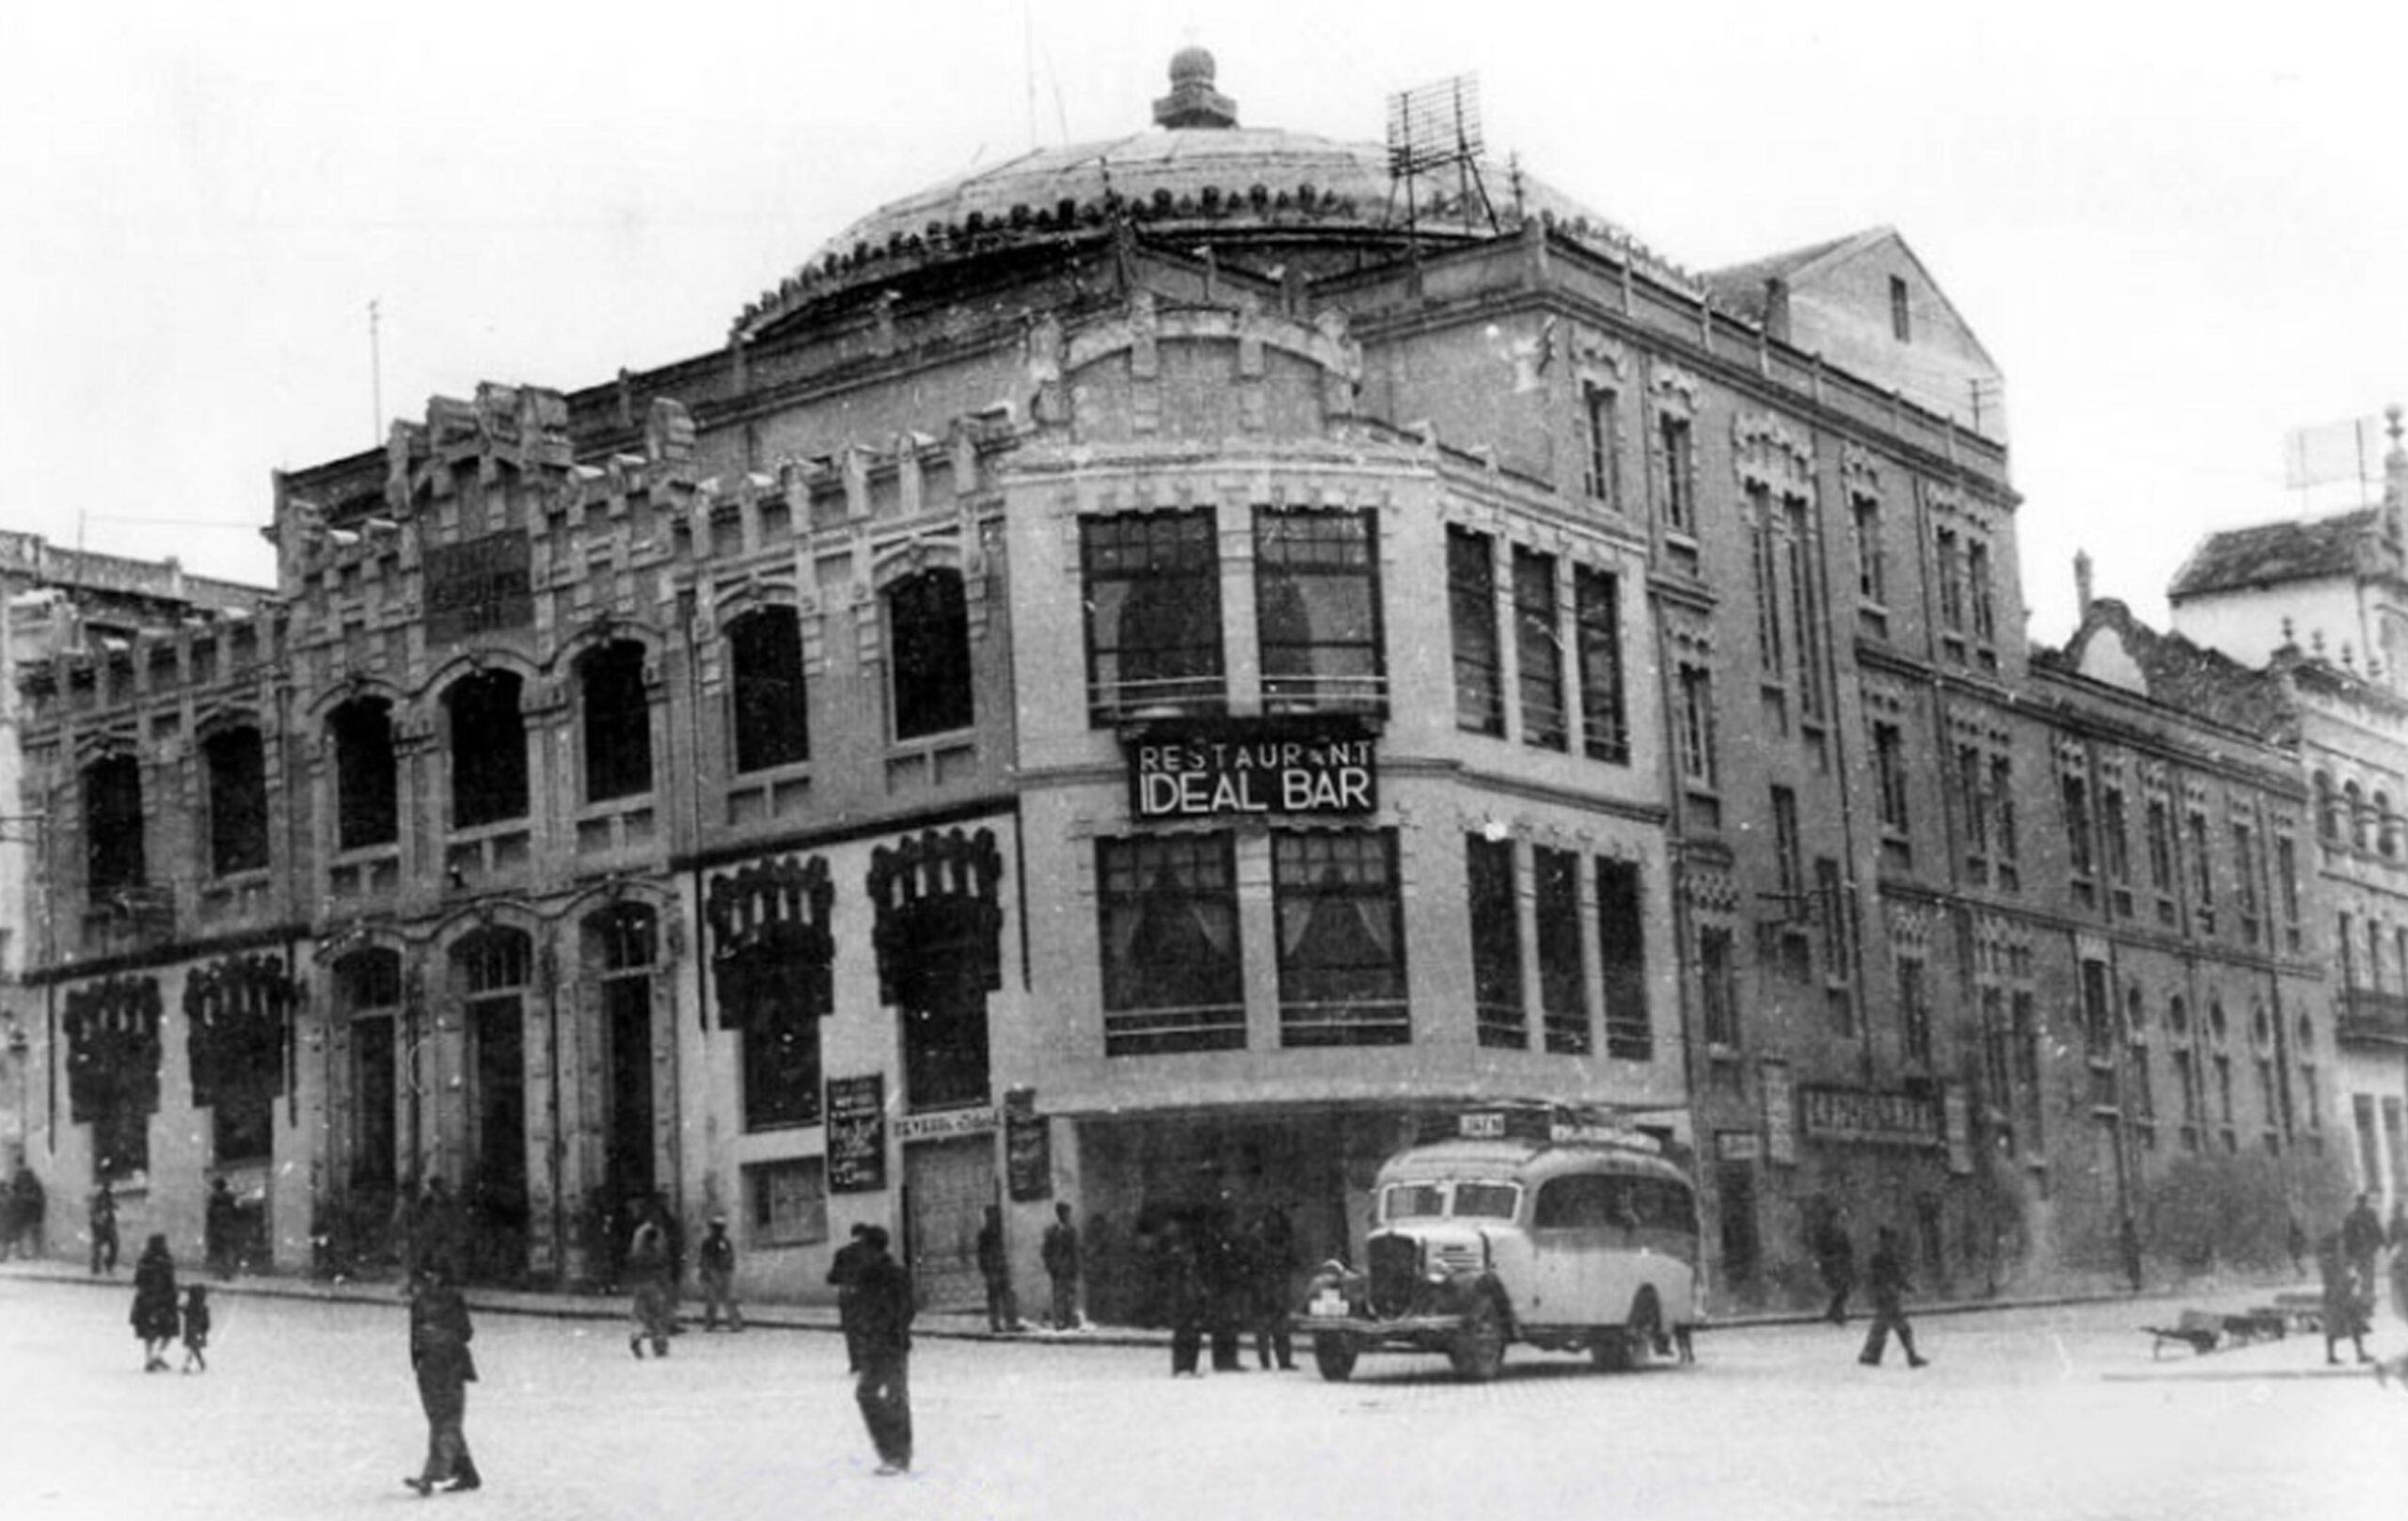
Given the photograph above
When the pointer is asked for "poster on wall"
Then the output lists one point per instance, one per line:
(857, 1134)
(1028, 1148)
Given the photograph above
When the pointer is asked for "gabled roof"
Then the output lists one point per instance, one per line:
(2268, 554)
(1741, 287)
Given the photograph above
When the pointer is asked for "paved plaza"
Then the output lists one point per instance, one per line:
(308, 1411)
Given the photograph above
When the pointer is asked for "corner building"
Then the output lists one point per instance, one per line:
(1130, 678)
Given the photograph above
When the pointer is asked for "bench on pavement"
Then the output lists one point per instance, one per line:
(2198, 1329)
(2305, 1311)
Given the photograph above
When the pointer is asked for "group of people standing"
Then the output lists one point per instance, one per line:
(1214, 1280)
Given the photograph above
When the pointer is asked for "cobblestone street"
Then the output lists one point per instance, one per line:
(309, 1410)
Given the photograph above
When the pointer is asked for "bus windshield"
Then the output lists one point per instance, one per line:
(1475, 1200)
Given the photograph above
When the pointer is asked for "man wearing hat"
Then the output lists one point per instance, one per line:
(882, 1311)
(717, 1260)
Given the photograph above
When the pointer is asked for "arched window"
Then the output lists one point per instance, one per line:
(236, 764)
(366, 777)
(2386, 827)
(113, 856)
(929, 627)
(488, 750)
(772, 724)
(2357, 799)
(617, 721)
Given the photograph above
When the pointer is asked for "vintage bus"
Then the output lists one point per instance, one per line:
(1523, 1224)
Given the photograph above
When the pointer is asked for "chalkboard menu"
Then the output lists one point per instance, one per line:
(857, 1134)
(1028, 1148)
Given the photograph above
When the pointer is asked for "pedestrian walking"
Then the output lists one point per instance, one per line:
(1272, 1256)
(845, 1272)
(155, 1303)
(1835, 1256)
(1886, 1278)
(1060, 1255)
(715, 1258)
(647, 1275)
(440, 1332)
(1179, 1291)
(884, 1309)
(2361, 1242)
(197, 1328)
(100, 1219)
(2295, 1242)
(217, 1228)
(2344, 1306)
(995, 1268)
(29, 1205)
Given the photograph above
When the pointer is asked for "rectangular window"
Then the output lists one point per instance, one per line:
(1340, 917)
(2003, 837)
(1872, 560)
(367, 775)
(1914, 1013)
(788, 1202)
(927, 616)
(617, 727)
(2203, 874)
(113, 854)
(2245, 868)
(2223, 1101)
(2031, 1103)
(1152, 583)
(1788, 858)
(1902, 324)
(2286, 884)
(2161, 846)
(1763, 559)
(1696, 726)
(1805, 608)
(1831, 907)
(1603, 478)
(1173, 979)
(2186, 1079)
(1499, 1012)
(236, 763)
(2117, 853)
(1317, 610)
(1680, 484)
(1977, 578)
(1622, 943)
(766, 699)
(1605, 729)
(2343, 935)
(1973, 808)
(1949, 570)
(2076, 795)
(1718, 988)
(1564, 993)
(1889, 777)
(1540, 647)
(1471, 608)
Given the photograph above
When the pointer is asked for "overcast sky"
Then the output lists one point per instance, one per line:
(2178, 239)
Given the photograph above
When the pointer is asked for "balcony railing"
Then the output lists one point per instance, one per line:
(2368, 1015)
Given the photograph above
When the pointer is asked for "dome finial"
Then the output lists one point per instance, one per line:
(1193, 101)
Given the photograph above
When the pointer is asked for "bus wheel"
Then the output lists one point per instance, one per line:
(1620, 1349)
(1334, 1356)
(1478, 1351)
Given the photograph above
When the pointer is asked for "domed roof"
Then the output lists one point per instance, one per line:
(1201, 175)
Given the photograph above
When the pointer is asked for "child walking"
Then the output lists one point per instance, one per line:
(197, 1328)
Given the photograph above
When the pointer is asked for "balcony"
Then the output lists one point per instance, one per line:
(2370, 1016)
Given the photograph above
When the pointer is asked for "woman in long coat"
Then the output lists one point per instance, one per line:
(155, 1303)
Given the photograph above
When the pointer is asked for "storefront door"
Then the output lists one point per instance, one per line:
(946, 1188)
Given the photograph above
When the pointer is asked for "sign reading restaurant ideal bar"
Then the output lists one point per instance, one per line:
(1210, 768)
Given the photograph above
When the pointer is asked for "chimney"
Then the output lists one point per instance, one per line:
(2081, 583)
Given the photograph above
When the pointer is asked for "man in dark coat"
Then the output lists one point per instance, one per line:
(217, 1230)
(995, 1268)
(30, 1207)
(845, 1272)
(1228, 1287)
(883, 1311)
(1886, 1276)
(155, 1315)
(2361, 1242)
(439, 1337)
(1272, 1256)
(1179, 1293)
(1060, 1254)
(1835, 1259)
(102, 1222)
